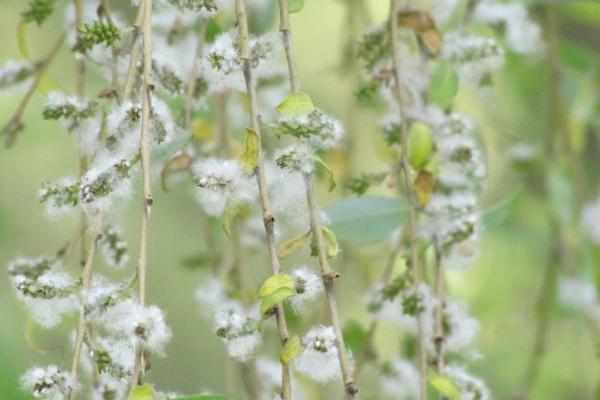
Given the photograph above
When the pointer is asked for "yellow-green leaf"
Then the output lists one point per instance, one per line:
(292, 245)
(295, 5)
(249, 157)
(420, 144)
(445, 386)
(290, 350)
(444, 85)
(144, 392)
(274, 283)
(332, 245)
(329, 172)
(424, 185)
(295, 104)
(230, 213)
(22, 40)
(276, 297)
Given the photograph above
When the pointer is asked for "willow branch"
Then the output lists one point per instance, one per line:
(14, 124)
(327, 274)
(370, 336)
(440, 294)
(412, 222)
(135, 53)
(268, 219)
(147, 86)
(86, 278)
(189, 98)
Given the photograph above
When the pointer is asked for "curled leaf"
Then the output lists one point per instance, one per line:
(274, 283)
(249, 157)
(278, 296)
(295, 104)
(290, 350)
(445, 386)
(331, 178)
(332, 245)
(420, 144)
(424, 25)
(292, 245)
(181, 162)
(143, 392)
(424, 185)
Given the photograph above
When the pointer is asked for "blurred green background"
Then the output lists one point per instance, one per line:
(501, 288)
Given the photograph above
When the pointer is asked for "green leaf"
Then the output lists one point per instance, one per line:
(332, 245)
(496, 216)
(22, 40)
(295, 6)
(144, 392)
(276, 297)
(295, 104)
(292, 245)
(249, 157)
(290, 350)
(445, 386)
(230, 213)
(420, 144)
(168, 150)
(329, 172)
(367, 219)
(202, 397)
(355, 336)
(274, 283)
(444, 85)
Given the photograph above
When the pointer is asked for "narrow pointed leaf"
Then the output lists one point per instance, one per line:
(249, 157)
(293, 245)
(332, 245)
(274, 283)
(292, 348)
(276, 297)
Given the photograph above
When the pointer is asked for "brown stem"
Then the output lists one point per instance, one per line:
(86, 278)
(189, 99)
(14, 125)
(327, 274)
(135, 53)
(268, 219)
(148, 200)
(412, 222)
(440, 291)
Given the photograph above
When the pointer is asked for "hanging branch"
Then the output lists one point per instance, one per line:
(405, 166)
(189, 98)
(327, 274)
(268, 219)
(147, 87)
(86, 278)
(14, 125)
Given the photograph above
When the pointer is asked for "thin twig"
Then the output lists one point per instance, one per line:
(327, 274)
(412, 222)
(189, 99)
(147, 87)
(135, 54)
(268, 219)
(440, 294)
(14, 125)
(86, 278)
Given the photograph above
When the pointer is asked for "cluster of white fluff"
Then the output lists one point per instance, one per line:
(453, 209)
(296, 157)
(239, 331)
(15, 75)
(400, 380)
(322, 130)
(222, 183)
(221, 66)
(114, 248)
(49, 383)
(522, 34)
(308, 286)
(141, 326)
(460, 327)
(45, 289)
(474, 57)
(319, 361)
(471, 387)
